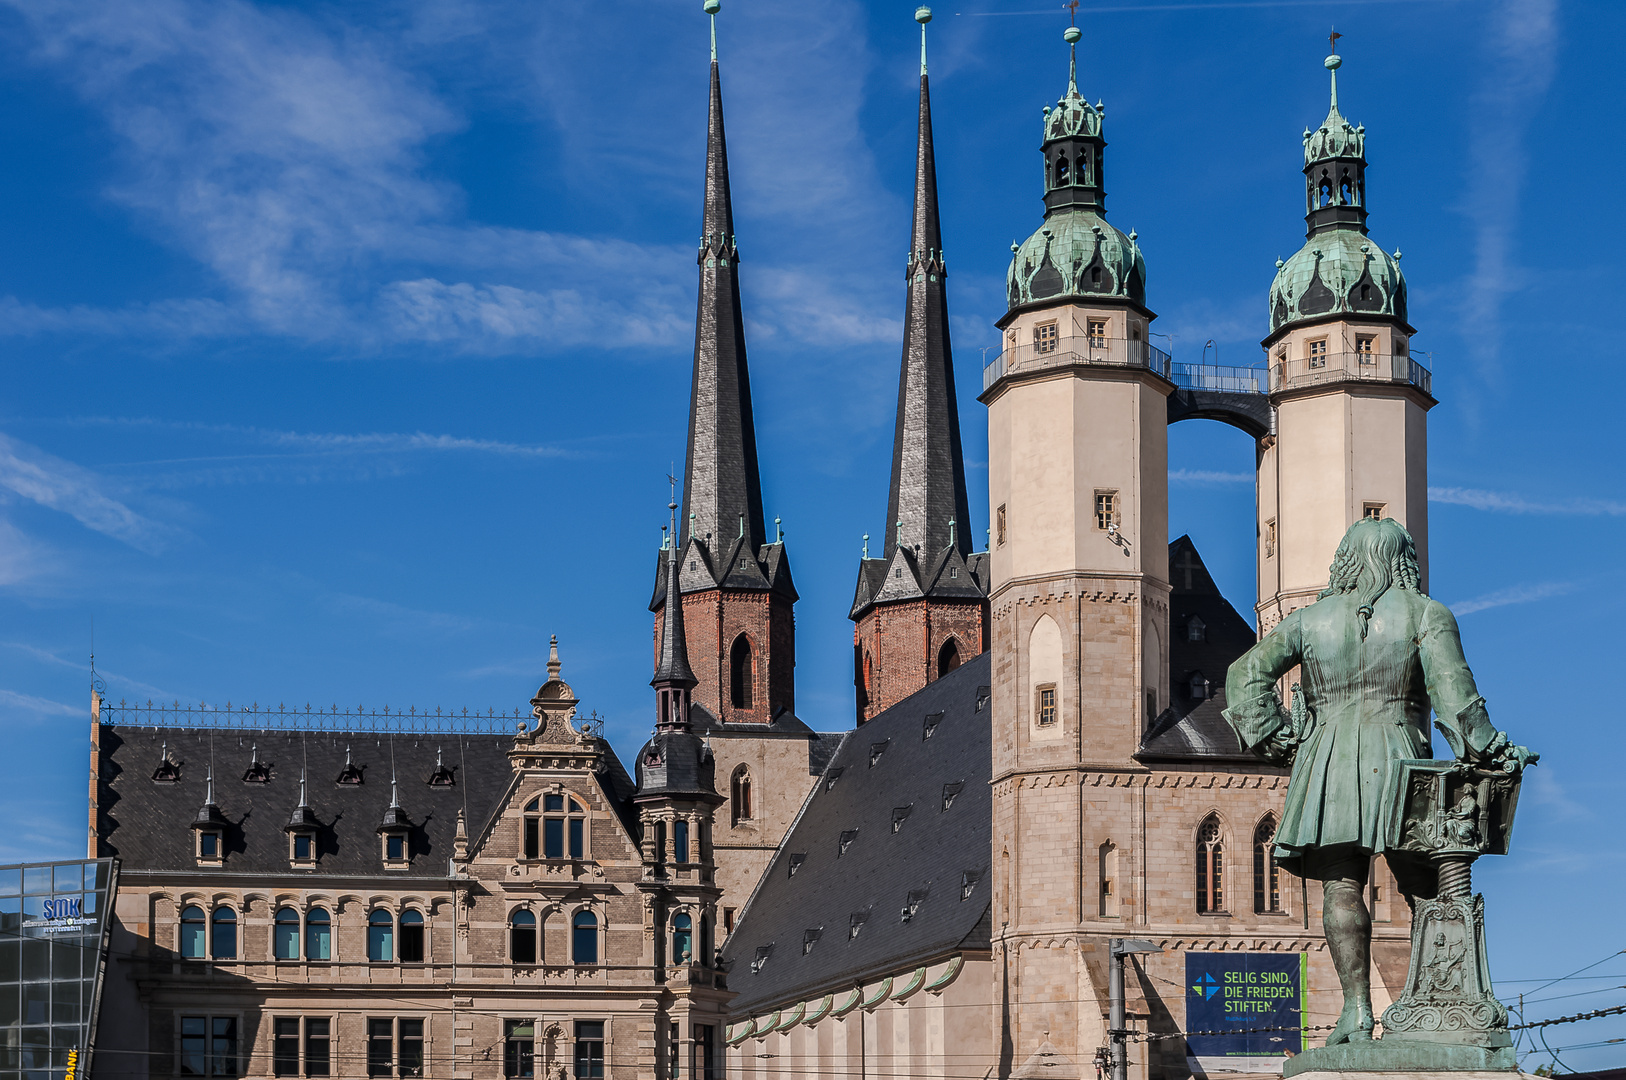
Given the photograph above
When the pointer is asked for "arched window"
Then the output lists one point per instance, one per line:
(285, 934)
(584, 938)
(380, 937)
(741, 676)
(1210, 867)
(1267, 876)
(1044, 670)
(948, 658)
(522, 937)
(1109, 880)
(554, 825)
(682, 939)
(194, 934)
(740, 795)
(223, 936)
(706, 947)
(1061, 171)
(1326, 191)
(411, 931)
(318, 935)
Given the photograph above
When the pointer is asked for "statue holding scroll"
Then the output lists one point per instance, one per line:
(1376, 655)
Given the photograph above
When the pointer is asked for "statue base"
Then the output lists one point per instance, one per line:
(1396, 1055)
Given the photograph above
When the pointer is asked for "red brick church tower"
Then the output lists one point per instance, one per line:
(737, 593)
(921, 609)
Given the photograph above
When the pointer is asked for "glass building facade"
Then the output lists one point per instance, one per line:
(54, 920)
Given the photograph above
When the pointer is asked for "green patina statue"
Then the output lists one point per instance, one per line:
(1376, 655)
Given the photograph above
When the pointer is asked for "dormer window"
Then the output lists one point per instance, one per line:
(209, 846)
(554, 825)
(395, 849)
(302, 850)
(1198, 686)
(169, 770)
(351, 773)
(442, 776)
(259, 772)
(1196, 629)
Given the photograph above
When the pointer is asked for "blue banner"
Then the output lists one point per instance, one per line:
(1239, 992)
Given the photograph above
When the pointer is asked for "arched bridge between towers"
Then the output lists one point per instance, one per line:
(1231, 395)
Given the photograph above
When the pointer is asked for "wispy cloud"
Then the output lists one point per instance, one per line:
(78, 492)
(1522, 46)
(1510, 503)
(1206, 476)
(397, 619)
(1518, 594)
(14, 702)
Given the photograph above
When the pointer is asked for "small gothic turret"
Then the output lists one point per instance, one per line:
(673, 679)
(394, 817)
(303, 818)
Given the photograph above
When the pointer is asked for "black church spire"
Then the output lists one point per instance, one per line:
(673, 679)
(927, 511)
(722, 494)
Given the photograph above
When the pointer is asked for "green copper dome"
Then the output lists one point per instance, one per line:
(1339, 269)
(1077, 253)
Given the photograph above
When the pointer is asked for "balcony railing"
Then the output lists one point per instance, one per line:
(1076, 349)
(1350, 367)
(1226, 380)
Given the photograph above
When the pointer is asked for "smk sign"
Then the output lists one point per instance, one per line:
(62, 908)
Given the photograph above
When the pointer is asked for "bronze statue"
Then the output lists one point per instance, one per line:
(1376, 655)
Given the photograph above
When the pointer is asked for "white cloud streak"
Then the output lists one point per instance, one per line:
(1206, 476)
(1509, 503)
(77, 492)
(13, 701)
(1518, 594)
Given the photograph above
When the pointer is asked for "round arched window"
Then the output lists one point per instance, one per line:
(285, 934)
(380, 937)
(194, 934)
(584, 938)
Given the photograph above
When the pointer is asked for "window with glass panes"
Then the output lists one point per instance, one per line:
(209, 1046)
(519, 1048)
(286, 1044)
(555, 828)
(1045, 337)
(589, 1049)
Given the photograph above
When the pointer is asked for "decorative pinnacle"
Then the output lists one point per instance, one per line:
(923, 15)
(553, 669)
(301, 786)
(711, 8)
(1071, 36)
(209, 798)
(866, 545)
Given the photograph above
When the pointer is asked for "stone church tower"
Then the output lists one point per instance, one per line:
(1351, 405)
(920, 608)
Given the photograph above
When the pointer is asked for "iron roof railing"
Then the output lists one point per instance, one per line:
(257, 717)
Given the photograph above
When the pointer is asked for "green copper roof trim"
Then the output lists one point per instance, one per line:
(880, 994)
(711, 7)
(739, 1032)
(793, 1018)
(850, 1004)
(942, 981)
(1073, 115)
(1076, 254)
(1326, 276)
(916, 981)
(819, 1013)
(1336, 137)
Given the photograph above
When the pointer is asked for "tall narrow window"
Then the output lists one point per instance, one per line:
(285, 935)
(1210, 868)
(1098, 333)
(948, 658)
(209, 1046)
(409, 1056)
(1366, 347)
(1318, 353)
(223, 1044)
(318, 935)
(194, 934)
(519, 1048)
(741, 676)
(740, 794)
(411, 937)
(223, 938)
(682, 939)
(285, 1046)
(522, 937)
(318, 1046)
(380, 937)
(680, 840)
(1046, 706)
(999, 525)
(1061, 173)
(589, 1049)
(584, 938)
(1270, 539)
(1109, 880)
(706, 1063)
(380, 1047)
(531, 840)
(1267, 876)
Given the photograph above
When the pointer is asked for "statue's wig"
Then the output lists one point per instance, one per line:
(1374, 556)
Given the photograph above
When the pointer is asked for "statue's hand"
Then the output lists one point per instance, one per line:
(1280, 748)
(1507, 756)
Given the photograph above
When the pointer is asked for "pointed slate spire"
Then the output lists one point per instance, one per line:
(722, 491)
(928, 493)
(672, 669)
(303, 816)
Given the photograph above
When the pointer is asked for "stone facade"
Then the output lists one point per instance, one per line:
(900, 647)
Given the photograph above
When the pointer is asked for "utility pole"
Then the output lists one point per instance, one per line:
(1117, 1033)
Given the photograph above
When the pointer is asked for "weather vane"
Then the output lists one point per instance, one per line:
(1332, 38)
(1072, 12)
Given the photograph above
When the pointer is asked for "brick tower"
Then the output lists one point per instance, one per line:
(1351, 405)
(738, 597)
(920, 610)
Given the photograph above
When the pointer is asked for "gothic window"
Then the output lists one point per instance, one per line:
(584, 938)
(1196, 629)
(411, 933)
(551, 821)
(285, 934)
(948, 658)
(1061, 171)
(682, 939)
(1325, 194)
(522, 937)
(1045, 670)
(1109, 880)
(1084, 167)
(1345, 192)
(1210, 868)
(740, 673)
(1267, 876)
(223, 934)
(193, 934)
(380, 937)
(318, 935)
(740, 795)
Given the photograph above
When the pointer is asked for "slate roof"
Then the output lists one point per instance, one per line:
(147, 824)
(1191, 728)
(886, 769)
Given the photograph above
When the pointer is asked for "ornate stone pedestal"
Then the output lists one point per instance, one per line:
(1447, 1019)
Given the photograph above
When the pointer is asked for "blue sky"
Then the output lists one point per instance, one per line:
(346, 346)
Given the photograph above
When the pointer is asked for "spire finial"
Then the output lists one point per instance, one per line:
(923, 15)
(711, 8)
(209, 797)
(1332, 63)
(1071, 36)
(553, 665)
(302, 786)
(395, 800)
